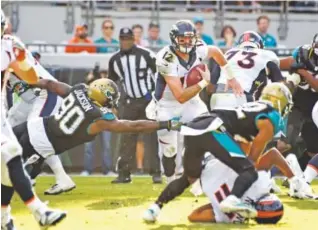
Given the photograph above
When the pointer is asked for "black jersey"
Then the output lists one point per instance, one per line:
(241, 121)
(68, 128)
(305, 97)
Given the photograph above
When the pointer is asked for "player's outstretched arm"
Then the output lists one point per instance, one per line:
(60, 88)
(265, 135)
(126, 126)
(215, 53)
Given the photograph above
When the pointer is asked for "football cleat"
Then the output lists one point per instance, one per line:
(232, 204)
(60, 188)
(49, 217)
(151, 214)
(8, 226)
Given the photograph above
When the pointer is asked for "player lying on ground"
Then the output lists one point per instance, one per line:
(85, 112)
(38, 103)
(13, 177)
(216, 187)
(256, 123)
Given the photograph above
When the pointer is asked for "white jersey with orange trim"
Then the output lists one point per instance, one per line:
(217, 181)
(249, 66)
(169, 64)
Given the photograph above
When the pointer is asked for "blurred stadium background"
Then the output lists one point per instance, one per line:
(47, 26)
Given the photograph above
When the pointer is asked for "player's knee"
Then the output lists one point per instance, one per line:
(251, 174)
(169, 165)
(10, 150)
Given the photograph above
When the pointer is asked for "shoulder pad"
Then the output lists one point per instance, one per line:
(165, 61)
(271, 56)
(202, 50)
(276, 119)
(80, 86)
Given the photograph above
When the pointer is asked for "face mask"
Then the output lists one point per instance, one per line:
(316, 51)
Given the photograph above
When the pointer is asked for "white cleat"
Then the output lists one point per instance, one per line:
(6, 219)
(232, 204)
(8, 226)
(60, 188)
(151, 214)
(49, 217)
(275, 187)
(296, 188)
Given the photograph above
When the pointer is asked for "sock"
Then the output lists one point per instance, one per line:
(56, 166)
(311, 170)
(21, 183)
(243, 182)
(6, 195)
(35, 204)
(174, 189)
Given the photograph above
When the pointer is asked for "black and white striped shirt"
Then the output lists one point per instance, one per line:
(134, 70)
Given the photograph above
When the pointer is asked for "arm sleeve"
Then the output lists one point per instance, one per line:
(275, 75)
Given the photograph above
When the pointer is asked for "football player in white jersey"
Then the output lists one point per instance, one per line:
(13, 176)
(217, 187)
(253, 66)
(172, 99)
(38, 103)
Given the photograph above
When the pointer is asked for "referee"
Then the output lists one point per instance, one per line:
(133, 68)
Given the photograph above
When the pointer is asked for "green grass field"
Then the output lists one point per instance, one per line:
(97, 204)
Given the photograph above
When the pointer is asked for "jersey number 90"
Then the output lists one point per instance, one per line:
(69, 116)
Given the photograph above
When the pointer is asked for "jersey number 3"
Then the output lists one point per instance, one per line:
(246, 62)
(69, 116)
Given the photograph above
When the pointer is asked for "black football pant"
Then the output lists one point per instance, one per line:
(135, 110)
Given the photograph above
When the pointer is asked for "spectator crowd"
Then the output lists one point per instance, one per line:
(108, 43)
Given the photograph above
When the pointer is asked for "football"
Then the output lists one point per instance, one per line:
(194, 75)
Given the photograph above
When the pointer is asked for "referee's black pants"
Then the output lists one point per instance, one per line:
(134, 109)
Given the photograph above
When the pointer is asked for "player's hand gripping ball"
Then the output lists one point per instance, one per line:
(194, 76)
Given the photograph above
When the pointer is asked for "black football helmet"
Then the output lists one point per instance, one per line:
(251, 39)
(181, 30)
(269, 209)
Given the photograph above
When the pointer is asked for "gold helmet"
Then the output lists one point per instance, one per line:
(104, 92)
(279, 96)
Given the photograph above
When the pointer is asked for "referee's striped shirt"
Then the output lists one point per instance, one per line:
(134, 70)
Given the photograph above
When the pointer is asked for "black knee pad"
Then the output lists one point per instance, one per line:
(169, 165)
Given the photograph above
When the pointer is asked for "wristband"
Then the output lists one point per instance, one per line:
(203, 83)
(229, 73)
(164, 125)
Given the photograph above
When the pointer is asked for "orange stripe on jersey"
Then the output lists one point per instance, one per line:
(266, 214)
(313, 167)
